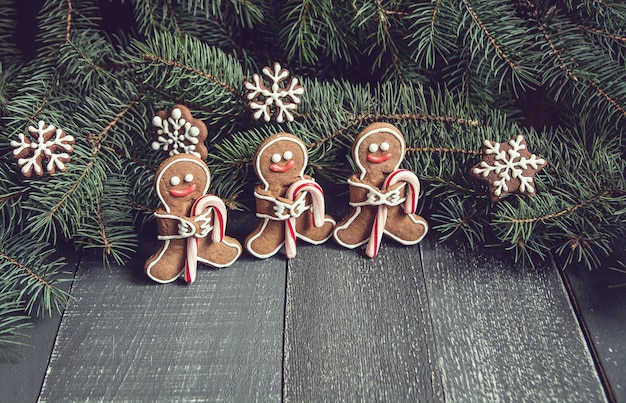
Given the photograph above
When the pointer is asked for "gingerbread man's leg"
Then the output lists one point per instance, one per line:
(407, 229)
(355, 229)
(166, 264)
(307, 231)
(218, 254)
(267, 238)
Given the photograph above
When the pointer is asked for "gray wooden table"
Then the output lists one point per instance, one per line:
(424, 323)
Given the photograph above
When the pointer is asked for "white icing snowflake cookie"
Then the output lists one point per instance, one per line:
(508, 167)
(273, 100)
(177, 132)
(50, 149)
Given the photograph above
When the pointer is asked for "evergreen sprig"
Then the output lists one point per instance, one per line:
(448, 74)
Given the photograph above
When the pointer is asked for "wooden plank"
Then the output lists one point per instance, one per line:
(357, 329)
(22, 375)
(124, 338)
(505, 332)
(602, 306)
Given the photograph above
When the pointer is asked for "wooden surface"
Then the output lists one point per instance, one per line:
(505, 332)
(123, 338)
(600, 298)
(424, 323)
(357, 328)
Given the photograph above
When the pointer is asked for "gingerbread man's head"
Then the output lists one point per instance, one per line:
(280, 160)
(377, 151)
(180, 180)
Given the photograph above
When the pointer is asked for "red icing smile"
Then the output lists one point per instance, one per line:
(284, 168)
(378, 159)
(183, 192)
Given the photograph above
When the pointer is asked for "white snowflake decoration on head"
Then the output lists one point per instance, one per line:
(508, 167)
(273, 101)
(179, 133)
(51, 145)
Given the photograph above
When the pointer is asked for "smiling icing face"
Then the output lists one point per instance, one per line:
(378, 151)
(280, 160)
(181, 180)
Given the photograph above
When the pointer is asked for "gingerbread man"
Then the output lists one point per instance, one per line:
(383, 197)
(289, 204)
(190, 223)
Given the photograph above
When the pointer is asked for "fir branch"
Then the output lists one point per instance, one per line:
(597, 31)
(105, 131)
(557, 54)
(370, 118)
(608, 98)
(442, 150)
(30, 270)
(174, 18)
(490, 37)
(570, 209)
(68, 20)
(172, 63)
(12, 322)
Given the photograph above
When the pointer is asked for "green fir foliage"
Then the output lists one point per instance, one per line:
(447, 73)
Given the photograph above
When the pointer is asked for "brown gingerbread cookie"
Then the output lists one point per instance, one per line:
(289, 204)
(177, 132)
(508, 167)
(50, 149)
(383, 197)
(271, 98)
(190, 223)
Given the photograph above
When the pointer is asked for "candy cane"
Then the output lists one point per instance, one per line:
(410, 205)
(317, 195)
(217, 235)
(404, 175)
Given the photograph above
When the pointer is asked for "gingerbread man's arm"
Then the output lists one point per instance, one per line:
(363, 193)
(170, 226)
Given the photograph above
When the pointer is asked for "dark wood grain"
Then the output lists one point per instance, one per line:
(22, 375)
(124, 338)
(505, 332)
(357, 328)
(600, 297)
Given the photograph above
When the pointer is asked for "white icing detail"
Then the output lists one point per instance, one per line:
(282, 210)
(174, 181)
(188, 178)
(55, 149)
(273, 101)
(389, 130)
(204, 220)
(193, 160)
(373, 148)
(509, 165)
(375, 197)
(186, 229)
(173, 132)
(266, 185)
(276, 158)
(384, 146)
(287, 155)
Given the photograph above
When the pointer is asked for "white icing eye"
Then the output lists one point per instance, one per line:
(384, 146)
(175, 180)
(276, 158)
(287, 155)
(373, 147)
(188, 178)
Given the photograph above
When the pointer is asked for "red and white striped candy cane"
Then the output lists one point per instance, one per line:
(410, 205)
(317, 196)
(217, 234)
